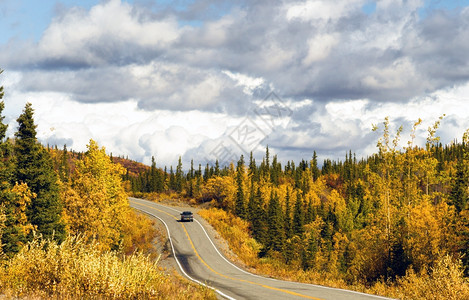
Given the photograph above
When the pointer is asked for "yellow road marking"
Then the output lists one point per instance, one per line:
(224, 276)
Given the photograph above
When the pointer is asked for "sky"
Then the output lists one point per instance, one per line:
(208, 79)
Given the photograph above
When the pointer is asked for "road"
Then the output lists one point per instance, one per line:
(200, 261)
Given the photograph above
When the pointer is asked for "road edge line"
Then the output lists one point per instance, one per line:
(177, 261)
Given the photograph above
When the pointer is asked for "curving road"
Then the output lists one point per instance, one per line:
(200, 261)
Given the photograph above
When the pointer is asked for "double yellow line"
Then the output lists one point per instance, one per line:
(228, 277)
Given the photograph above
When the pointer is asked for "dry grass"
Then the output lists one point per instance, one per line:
(236, 232)
(77, 270)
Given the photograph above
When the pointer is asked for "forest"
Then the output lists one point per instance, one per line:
(398, 215)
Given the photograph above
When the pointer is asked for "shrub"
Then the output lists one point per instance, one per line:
(444, 281)
(79, 270)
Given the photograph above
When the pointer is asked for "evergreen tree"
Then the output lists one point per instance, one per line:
(179, 176)
(198, 180)
(207, 172)
(258, 218)
(276, 232)
(459, 194)
(240, 207)
(64, 168)
(1, 87)
(250, 209)
(6, 167)
(217, 168)
(288, 220)
(253, 169)
(34, 167)
(265, 166)
(315, 172)
(298, 216)
(172, 179)
(153, 178)
(13, 201)
(275, 171)
(309, 213)
(309, 254)
(191, 171)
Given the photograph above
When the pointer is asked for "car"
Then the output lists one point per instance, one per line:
(187, 216)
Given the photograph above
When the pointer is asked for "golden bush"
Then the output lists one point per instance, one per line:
(76, 269)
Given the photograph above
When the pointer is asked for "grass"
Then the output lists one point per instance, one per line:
(79, 270)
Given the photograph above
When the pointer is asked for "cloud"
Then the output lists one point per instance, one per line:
(318, 49)
(133, 75)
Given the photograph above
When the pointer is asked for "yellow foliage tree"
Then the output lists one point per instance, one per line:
(96, 204)
(424, 235)
(220, 189)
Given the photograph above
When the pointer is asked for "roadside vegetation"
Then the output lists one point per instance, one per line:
(79, 269)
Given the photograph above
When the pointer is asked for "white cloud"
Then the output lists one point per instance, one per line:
(321, 9)
(141, 84)
(319, 48)
(109, 31)
(247, 82)
(399, 75)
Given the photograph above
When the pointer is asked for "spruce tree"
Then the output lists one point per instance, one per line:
(298, 215)
(153, 178)
(259, 218)
(34, 167)
(288, 220)
(172, 179)
(1, 89)
(253, 173)
(251, 206)
(276, 232)
(179, 176)
(315, 172)
(459, 195)
(240, 207)
(309, 254)
(217, 168)
(64, 167)
(198, 180)
(13, 233)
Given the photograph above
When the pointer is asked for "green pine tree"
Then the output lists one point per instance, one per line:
(276, 232)
(459, 195)
(34, 167)
(298, 216)
(315, 172)
(1, 88)
(309, 254)
(288, 220)
(64, 167)
(13, 234)
(179, 176)
(259, 218)
(240, 206)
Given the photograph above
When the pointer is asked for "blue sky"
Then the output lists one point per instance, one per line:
(27, 19)
(185, 78)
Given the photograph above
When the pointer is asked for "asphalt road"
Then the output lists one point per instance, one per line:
(200, 261)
